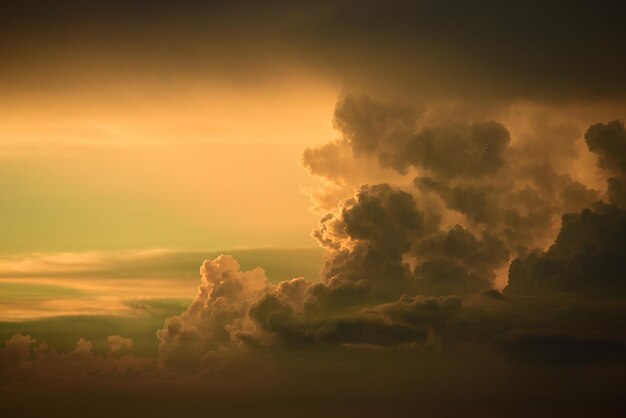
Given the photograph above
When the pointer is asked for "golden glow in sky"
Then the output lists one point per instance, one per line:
(145, 166)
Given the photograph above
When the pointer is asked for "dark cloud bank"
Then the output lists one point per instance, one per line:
(486, 49)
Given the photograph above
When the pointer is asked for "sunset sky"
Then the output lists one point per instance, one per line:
(337, 208)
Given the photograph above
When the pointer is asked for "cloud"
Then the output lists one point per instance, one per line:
(42, 285)
(399, 275)
(587, 254)
(118, 343)
(369, 127)
(151, 263)
(587, 257)
(217, 319)
(608, 142)
(509, 187)
(457, 262)
(22, 357)
(396, 46)
(369, 295)
(367, 236)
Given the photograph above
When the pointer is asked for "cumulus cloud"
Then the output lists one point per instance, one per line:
(367, 236)
(118, 343)
(23, 357)
(217, 320)
(587, 255)
(370, 293)
(475, 169)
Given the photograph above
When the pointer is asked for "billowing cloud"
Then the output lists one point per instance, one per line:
(508, 187)
(608, 142)
(588, 254)
(217, 319)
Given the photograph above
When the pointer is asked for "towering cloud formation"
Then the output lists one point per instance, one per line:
(400, 273)
(217, 320)
(588, 254)
(512, 192)
(413, 265)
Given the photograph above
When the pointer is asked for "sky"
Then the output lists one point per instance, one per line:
(339, 208)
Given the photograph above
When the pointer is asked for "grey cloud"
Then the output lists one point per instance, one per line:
(367, 236)
(460, 150)
(369, 330)
(456, 262)
(372, 128)
(478, 202)
(369, 294)
(587, 257)
(608, 142)
(390, 133)
(559, 51)
(420, 310)
(510, 189)
(331, 160)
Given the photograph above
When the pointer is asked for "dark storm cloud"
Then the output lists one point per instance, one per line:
(608, 142)
(372, 128)
(459, 150)
(367, 236)
(513, 191)
(388, 132)
(369, 294)
(488, 49)
(397, 278)
(588, 254)
(587, 257)
(457, 262)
